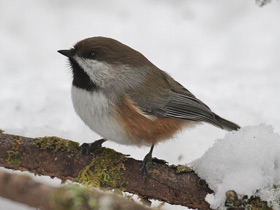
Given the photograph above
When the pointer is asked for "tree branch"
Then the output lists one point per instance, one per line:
(25, 190)
(105, 168)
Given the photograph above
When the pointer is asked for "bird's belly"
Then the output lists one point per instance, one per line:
(97, 113)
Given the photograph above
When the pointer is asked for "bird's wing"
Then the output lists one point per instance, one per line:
(166, 98)
(170, 99)
(188, 107)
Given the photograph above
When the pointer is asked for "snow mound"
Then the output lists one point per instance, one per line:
(246, 161)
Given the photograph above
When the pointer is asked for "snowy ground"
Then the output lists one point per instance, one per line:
(246, 161)
(226, 52)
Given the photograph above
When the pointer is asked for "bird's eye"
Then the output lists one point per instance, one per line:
(92, 55)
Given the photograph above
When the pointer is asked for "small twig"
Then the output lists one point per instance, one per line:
(262, 3)
(25, 190)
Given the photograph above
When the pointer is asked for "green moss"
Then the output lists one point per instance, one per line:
(13, 154)
(57, 144)
(253, 203)
(258, 204)
(72, 197)
(105, 170)
(181, 169)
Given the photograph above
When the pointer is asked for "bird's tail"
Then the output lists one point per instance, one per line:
(225, 124)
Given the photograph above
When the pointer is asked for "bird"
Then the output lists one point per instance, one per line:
(122, 96)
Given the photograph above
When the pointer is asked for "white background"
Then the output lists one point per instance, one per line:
(226, 52)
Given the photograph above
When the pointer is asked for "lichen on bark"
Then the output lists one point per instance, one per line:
(57, 144)
(105, 169)
(13, 154)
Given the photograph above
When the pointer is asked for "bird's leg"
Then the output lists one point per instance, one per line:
(147, 163)
(87, 148)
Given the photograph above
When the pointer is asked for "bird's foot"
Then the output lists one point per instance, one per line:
(87, 148)
(146, 164)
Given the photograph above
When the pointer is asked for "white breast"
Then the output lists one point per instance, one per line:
(97, 113)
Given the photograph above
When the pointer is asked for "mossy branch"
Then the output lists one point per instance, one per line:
(104, 168)
(25, 190)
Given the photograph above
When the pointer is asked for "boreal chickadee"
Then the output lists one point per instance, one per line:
(123, 97)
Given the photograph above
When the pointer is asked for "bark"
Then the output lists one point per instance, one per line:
(104, 168)
(25, 190)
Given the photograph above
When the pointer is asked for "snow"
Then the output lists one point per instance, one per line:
(225, 52)
(246, 161)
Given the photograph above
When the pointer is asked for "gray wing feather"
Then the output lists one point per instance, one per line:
(171, 99)
(188, 107)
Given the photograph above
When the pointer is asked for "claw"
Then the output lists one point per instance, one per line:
(87, 148)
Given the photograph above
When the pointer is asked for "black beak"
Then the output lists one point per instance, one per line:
(66, 53)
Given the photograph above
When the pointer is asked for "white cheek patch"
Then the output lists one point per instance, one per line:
(112, 77)
(99, 72)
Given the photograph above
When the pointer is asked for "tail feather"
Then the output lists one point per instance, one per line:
(225, 124)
